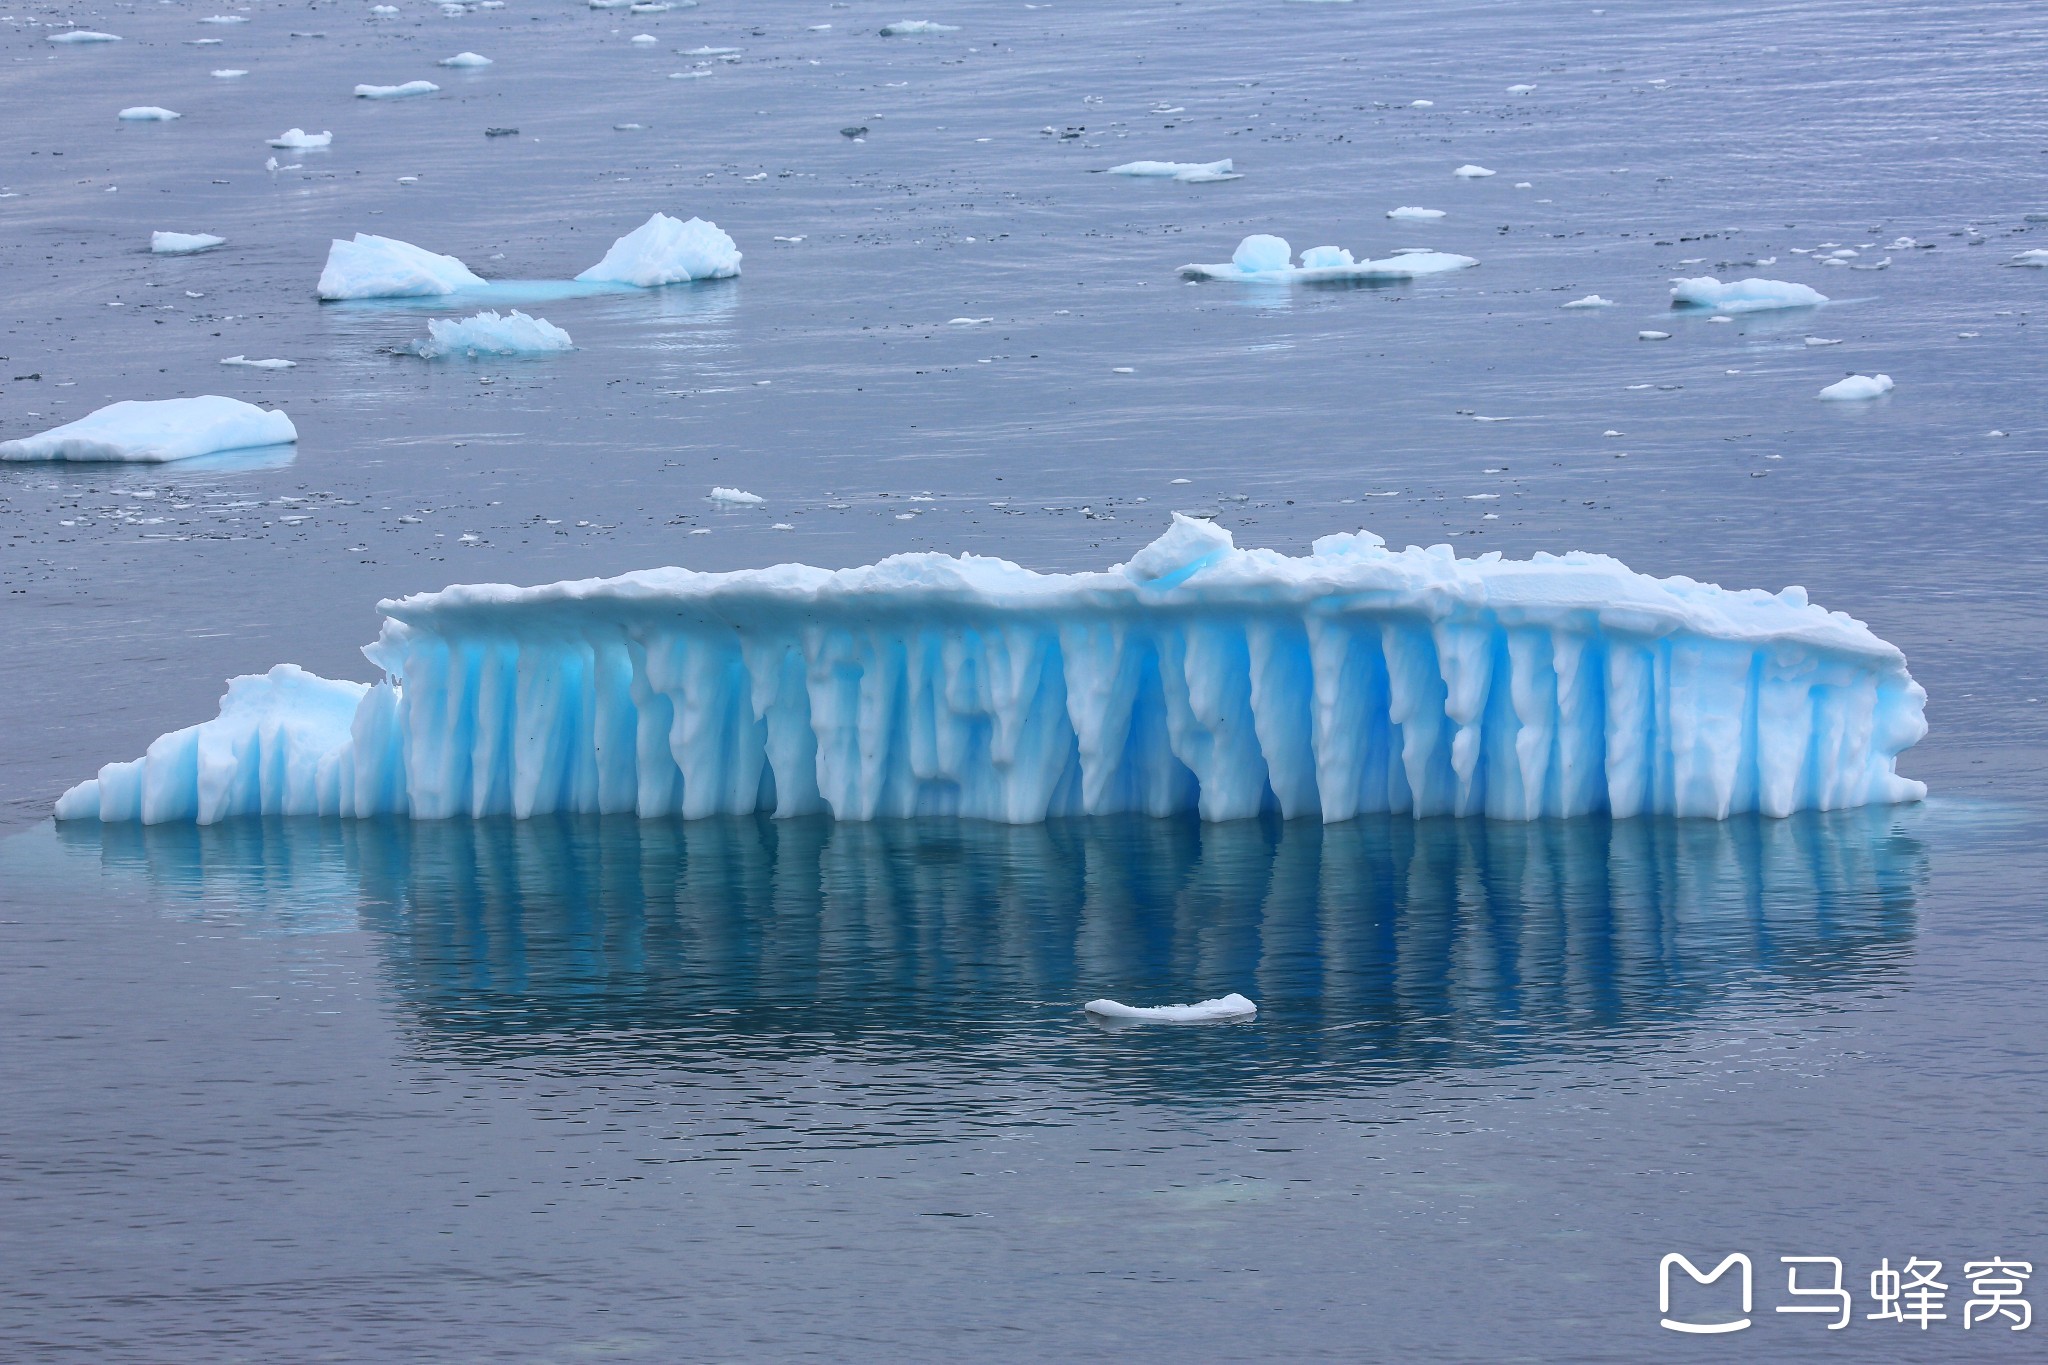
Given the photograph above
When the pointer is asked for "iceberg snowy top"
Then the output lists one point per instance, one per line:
(370, 267)
(1265, 259)
(1188, 172)
(1197, 676)
(1742, 296)
(663, 250)
(152, 432)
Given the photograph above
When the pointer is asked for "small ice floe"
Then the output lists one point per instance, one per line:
(225, 19)
(298, 139)
(663, 250)
(708, 52)
(967, 322)
(1823, 341)
(396, 92)
(1422, 104)
(1265, 259)
(83, 35)
(370, 267)
(1858, 386)
(1410, 214)
(183, 243)
(384, 11)
(1219, 1010)
(1471, 172)
(1590, 301)
(1742, 296)
(905, 28)
(1653, 336)
(1521, 90)
(1187, 172)
(148, 113)
(643, 40)
(488, 334)
(735, 497)
(465, 60)
(248, 364)
(228, 73)
(2038, 259)
(155, 431)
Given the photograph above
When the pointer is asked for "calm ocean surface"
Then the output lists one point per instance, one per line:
(744, 1089)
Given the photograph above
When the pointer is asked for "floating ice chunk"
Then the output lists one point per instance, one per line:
(1471, 172)
(152, 432)
(148, 113)
(183, 243)
(1742, 296)
(384, 10)
(1823, 341)
(396, 92)
(2034, 258)
(1858, 386)
(643, 40)
(1197, 677)
(1265, 259)
(465, 60)
(1188, 172)
(735, 497)
(1590, 301)
(1223, 1007)
(370, 267)
(663, 250)
(298, 139)
(247, 363)
(1653, 336)
(228, 73)
(904, 28)
(1521, 89)
(1414, 215)
(225, 19)
(83, 35)
(709, 52)
(1422, 104)
(488, 334)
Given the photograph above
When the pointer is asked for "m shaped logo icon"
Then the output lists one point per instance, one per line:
(1733, 1258)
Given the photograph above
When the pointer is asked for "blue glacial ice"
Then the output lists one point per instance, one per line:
(156, 431)
(663, 250)
(1187, 172)
(1264, 259)
(488, 334)
(371, 267)
(1742, 296)
(1197, 676)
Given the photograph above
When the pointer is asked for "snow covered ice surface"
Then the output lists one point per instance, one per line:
(488, 334)
(183, 243)
(298, 140)
(663, 250)
(1188, 172)
(1858, 386)
(155, 431)
(1265, 259)
(396, 92)
(1742, 296)
(148, 113)
(371, 267)
(1196, 676)
(1222, 1009)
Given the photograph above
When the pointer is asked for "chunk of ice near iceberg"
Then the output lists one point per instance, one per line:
(1742, 296)
(488, 334)
(1196, 677)
(183, 243)
(396, 92)
(1858, 386)
(1265, 259)
(159, 430)
(148, 113)
(298, 139)
(663, 250)
(371, 267)
(1187, 172)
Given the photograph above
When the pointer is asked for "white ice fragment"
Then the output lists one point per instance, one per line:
(396, 92)
(1590, 301)
(1408, 213)
(1471, 172)
(1653, 336)
(967, 322)
(182, 243)
(1742, 296)
(1858, 386)
(643, 40)
(2037, 258)
(83, 35)
(1521, 89)
(298, 139)
(904, 28)
(154, 431)
(384, 11)
(1188, 172)
(735, 497)
(1225, 1007)
(1823, 341)
(465, 60)
(371, 267)
(148, 113)
(1422, 104)
(488, 334)
(663, 250)
(228, 73)
(1266, 259)
(247, 363)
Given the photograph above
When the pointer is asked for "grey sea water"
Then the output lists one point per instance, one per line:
(758, 1090)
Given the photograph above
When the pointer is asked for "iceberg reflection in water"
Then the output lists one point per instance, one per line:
(1377, 946)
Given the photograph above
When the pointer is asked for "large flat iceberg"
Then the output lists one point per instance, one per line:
(1742, 296)
(1265, 259)
(1187, 172)
(663, 250)
(369, 267)
(1197, 676)
(159, 430)
(488, 334)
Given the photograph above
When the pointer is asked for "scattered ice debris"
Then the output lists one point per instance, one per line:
(228, 73)
(1188, 172)
(84, 35)
(1653, 336)
(298, 139)
(2032, 258)
(1471, 172)
(1414, 215)
(1823, 341)
(735, 497)
(904, 28)
(396, 92)
(465, 60)
(1266, 259)
(1858, 386)
(1635, 696)
(1742, 296)
(154, 431)
(1590, 301)
(247, 363)
(183, 243)
(663, 250)
(488, 334)
(148, 113)
(1223, 1007)
(370, 267)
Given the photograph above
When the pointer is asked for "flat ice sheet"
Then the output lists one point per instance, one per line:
(155, 431)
